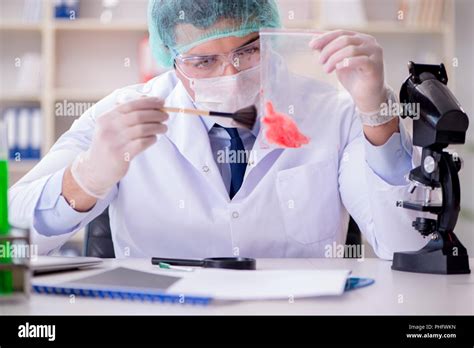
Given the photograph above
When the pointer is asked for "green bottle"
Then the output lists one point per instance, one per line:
(4, 226)
(6, 276)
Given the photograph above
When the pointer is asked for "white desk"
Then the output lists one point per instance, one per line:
(393, 293)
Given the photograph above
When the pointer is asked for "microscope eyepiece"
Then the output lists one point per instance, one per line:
(442, 121)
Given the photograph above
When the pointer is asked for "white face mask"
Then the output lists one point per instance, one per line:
(227, 93)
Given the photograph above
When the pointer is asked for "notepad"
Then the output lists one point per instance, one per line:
(262, 284)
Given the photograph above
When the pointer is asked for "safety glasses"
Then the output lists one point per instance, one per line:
(207, 66)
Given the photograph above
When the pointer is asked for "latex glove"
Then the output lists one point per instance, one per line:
(358, 61)
(120, 136)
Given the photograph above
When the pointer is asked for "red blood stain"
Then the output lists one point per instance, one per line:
(282, 130)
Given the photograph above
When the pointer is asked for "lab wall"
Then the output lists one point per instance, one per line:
(464, 51)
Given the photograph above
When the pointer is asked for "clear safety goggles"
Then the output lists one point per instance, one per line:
(206, 66)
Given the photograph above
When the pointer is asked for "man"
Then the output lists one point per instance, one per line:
(168, 194)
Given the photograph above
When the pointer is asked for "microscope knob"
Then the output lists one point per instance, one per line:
(429, 164)
(424, 226)
(458, 161)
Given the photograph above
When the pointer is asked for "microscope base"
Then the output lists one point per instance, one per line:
(430, 261)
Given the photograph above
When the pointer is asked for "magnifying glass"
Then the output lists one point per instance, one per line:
(212, 262)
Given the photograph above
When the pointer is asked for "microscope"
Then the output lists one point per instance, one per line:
(441, 122)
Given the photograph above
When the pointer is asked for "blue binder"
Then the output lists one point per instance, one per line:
(135, 295)
(24, 132)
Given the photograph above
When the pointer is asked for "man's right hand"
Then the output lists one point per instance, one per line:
(120, 135)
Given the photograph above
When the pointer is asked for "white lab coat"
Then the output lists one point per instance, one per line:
(293, 203)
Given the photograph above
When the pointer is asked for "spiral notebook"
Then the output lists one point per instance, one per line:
(124, 284)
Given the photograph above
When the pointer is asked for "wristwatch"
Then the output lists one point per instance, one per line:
(378, 118)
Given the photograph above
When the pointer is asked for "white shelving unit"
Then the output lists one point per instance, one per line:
(95, 25)
(68, 72)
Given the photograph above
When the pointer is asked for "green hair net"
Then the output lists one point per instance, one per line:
(176, 26)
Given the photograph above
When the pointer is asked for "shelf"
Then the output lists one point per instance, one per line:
(19, 97)
(96, 25)
(20, 26)
(386, 27)
(93, 24)
(80, 94)
(21, 166)
(395, 28)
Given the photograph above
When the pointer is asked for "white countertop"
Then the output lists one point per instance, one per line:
(394, 292)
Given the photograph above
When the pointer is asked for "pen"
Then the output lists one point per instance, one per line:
(163, 265)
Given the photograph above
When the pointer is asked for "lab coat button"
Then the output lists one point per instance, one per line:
(235, 214)
(205, 169)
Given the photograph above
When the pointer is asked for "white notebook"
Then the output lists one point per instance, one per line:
(262, 285)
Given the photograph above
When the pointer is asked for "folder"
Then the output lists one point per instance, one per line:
(10, 119)
(35, 132)
(24, 125)
(23, 133)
